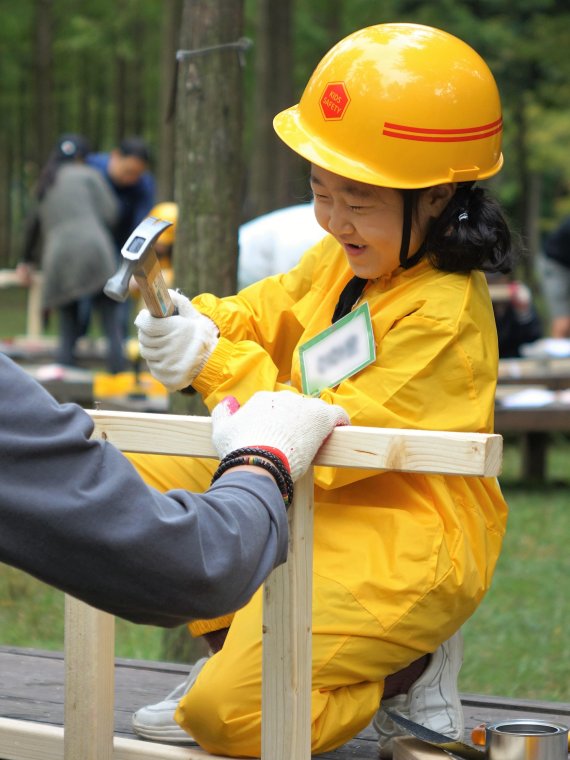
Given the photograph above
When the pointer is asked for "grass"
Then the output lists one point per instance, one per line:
(517, 643)
(12, 312)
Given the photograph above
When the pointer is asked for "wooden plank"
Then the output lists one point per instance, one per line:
(352, 446)
(89, 682)
(519, 369)
(407, 748)
(34, 316)
(545, 419)
(24, 740)
(9, 279)
(287, 627)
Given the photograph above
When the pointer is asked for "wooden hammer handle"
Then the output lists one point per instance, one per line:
(154, 291)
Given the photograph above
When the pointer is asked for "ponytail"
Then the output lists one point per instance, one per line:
(471, 233)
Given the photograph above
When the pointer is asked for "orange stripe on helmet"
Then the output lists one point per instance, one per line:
(426, 134)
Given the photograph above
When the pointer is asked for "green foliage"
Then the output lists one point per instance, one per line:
(106, 78)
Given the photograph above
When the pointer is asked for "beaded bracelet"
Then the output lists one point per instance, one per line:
(270, 454)
(285, 487)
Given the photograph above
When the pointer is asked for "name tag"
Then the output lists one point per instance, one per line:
(338, 352)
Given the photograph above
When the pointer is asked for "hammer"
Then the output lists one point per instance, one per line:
(141, 262)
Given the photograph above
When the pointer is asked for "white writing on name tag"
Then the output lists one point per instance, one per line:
(338, 352)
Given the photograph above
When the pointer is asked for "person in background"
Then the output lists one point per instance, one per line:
(126, 169)
(554, 271)
(73, 218)
(516, 318)
(389, 316)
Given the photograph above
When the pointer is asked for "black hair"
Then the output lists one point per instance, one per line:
(135, 146)
(69, 147)
(471, 233)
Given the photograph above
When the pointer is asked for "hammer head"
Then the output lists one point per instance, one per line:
(138, 256)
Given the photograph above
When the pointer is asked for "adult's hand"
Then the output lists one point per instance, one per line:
(296, 425)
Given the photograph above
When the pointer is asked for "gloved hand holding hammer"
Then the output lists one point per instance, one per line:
(176, 348)
(175, 339)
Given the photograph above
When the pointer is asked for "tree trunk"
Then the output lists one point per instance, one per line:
(208, 178)
(209, 160)
(43, 66)
(5, 184)
(524, 221)
(276, 178)
(120, 98)
(166, 131)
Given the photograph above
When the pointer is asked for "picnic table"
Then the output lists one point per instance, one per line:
(533, 403)
(549, 372)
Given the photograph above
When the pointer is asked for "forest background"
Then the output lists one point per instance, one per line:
(108, 69)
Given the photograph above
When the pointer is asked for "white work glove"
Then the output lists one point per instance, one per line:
(176, 348)
(295, 425)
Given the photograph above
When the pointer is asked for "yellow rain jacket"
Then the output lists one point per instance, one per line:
(400, 560)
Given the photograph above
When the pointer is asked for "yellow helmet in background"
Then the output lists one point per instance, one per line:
(401, 106)
(169, 212)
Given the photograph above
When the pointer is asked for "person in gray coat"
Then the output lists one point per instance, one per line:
(75, 212)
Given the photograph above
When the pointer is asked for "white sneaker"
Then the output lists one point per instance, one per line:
(156, 722)
(432, 701)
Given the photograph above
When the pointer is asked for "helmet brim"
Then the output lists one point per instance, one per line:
(290, 128)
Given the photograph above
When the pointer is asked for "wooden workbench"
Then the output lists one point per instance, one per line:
(31, 688)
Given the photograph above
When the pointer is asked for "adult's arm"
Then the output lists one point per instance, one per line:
(75, 514)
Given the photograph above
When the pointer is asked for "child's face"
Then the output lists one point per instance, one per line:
(367, 221)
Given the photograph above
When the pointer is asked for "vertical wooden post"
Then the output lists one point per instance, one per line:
(89, 682)
(34, 326)
(287, 628)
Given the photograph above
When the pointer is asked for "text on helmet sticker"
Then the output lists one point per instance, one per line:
(334, 101)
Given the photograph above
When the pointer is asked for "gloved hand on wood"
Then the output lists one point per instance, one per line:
(176, 348)
(291, 424)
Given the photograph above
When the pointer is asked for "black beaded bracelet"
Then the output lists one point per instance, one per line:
(259, 451)
(231, 461)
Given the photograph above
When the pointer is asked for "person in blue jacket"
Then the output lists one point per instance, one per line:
(127, 170)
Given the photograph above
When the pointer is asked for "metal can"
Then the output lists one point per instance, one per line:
(526, 739)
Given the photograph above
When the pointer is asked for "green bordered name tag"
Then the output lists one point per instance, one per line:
(338, 352)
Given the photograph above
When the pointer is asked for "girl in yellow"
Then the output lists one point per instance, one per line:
(398, 121)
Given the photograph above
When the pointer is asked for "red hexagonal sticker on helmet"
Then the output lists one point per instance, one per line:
(334, 101)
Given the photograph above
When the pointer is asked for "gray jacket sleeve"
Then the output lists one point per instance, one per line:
(75, 514)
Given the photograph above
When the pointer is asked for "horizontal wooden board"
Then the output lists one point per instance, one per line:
(424, 451)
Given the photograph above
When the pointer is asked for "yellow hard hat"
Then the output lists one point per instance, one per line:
(399, 105)
(169, 212)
